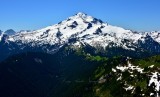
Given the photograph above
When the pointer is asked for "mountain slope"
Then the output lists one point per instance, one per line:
(70, 73)
(44, 75)
(125, 77)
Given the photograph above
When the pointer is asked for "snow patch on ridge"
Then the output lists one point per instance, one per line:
(130, 68)
(155, 79)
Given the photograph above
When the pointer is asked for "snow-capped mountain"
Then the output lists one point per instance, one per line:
(82, 29)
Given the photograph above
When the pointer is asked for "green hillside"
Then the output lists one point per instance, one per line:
(76, 73)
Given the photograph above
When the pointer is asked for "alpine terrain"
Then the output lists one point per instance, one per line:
(81, 56)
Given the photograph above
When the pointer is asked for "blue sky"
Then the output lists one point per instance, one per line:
(140, 15)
